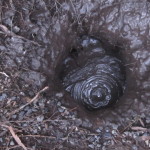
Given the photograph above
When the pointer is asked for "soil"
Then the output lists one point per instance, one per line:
(35, 111)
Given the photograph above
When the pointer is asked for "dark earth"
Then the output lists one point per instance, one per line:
(93, 75)
(36, 113)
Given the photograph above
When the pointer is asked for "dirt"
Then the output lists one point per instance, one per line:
(35, 37)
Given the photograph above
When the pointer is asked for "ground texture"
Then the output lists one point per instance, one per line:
(34, 116)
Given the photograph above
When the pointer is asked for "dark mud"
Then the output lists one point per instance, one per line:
(35, 37)
(94, 76)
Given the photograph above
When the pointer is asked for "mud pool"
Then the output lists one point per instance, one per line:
(35, 38)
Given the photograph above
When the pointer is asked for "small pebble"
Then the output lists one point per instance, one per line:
(21, 115)
(12, 143)
(60, 109)
(22, 93)
(78, 122)
(98, 130)
(40, 118)
(91, 146)
(3, 97)
(147, 142)
(107, 135)
(14, 116)
(148, 120)
(16, 29)
(59, 104)
(25, 125)
(34, 131)
(86, 124)
(98, 145)
(134, 147)
(114, 132)
(115, 126)
(13, 98)
(59, 95)
(71, 141)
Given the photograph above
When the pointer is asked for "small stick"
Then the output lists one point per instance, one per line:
(15, 136)
(31, 101)
(139, 129)
(38, 136)
(130, 124)
(3, 73)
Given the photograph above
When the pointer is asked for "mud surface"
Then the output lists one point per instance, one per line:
(35, 37)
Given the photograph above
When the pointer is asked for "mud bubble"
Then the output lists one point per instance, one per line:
(93, 75)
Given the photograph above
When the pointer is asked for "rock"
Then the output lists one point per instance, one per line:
(114, 132)
(1, 140)
(12, 143)
(59, 95)
(86, 124)
(98, 130)
(16, 29)
(14, 116)
(40, 118)
(107, 135)
(3, 96)
(61, 109)
(59, 104)
(91, 146)
(78, 122)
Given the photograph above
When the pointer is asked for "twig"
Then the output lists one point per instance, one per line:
(73, 109)
(130, 124)
(38, 136)
(15, 136)
(139, 129)
(33, 121)
(8, 148)
(6, 30)
(12, 147)
(144, 137)
(3, 73)
(31, 101)
(75, 12)
(130, 64)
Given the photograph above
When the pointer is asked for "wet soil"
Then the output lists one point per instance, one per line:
(35, 37)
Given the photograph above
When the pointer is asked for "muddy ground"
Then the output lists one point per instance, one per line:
(35, 111)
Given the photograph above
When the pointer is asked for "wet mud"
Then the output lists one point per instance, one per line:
(38, 35)
(97, 79)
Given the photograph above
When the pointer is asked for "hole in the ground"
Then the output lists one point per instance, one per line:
(93, 75)
(74, 53)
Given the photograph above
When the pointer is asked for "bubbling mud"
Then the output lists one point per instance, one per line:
(98, 79)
